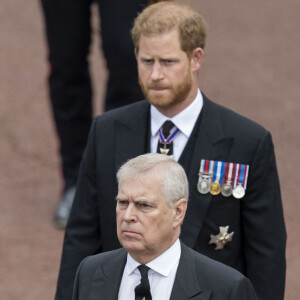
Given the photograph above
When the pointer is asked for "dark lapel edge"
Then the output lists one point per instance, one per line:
(186, 285)
(131, 134)
(212, 144)
(108, 277)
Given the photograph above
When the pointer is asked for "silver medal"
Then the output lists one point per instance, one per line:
(203, 186)
(226, 190)
(238, 192)
(204, 179)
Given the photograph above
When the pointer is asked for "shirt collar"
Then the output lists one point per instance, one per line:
(185, 120)
(163, 264)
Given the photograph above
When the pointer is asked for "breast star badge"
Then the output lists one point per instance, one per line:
(164, 150)
(222, 238)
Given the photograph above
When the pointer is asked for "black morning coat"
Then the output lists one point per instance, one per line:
(258, 245)
(198, 277)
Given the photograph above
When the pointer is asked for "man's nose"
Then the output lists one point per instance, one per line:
(156, 73)
(130, 213)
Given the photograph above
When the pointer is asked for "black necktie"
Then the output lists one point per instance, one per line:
(164, 146)
(142, 291)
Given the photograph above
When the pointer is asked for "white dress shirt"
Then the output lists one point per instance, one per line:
(161, 275)
(185, 121)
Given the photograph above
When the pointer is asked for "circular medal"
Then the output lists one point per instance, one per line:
(215, 188)
(226, 190)
(203, 186)
(238, 192)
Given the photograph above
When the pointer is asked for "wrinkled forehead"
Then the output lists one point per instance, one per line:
(152, 40)
(140, 179)
(164, 46)
(141, 188)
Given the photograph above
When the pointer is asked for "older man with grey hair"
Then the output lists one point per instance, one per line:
(153, 264)
(174, 180)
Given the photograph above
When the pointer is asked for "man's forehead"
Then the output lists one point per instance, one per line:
(141, 177)
(155, 39)
(139, 186)
(171, 32)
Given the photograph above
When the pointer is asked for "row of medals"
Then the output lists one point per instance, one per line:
(205, 186)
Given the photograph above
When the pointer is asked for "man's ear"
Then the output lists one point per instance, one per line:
(179, 212)
(197, 59)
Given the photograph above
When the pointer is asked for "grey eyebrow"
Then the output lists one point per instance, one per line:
(120, 198)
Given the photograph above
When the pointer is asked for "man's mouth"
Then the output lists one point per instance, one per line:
(130, 233)
(157, 87)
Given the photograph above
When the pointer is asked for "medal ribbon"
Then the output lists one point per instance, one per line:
(241, 175)
(234, 167)
(206, 166)
(237, 174)
(215, 171)
(230, 172)
(226, 169)
(170, 138)
(202, 165)
(223, 164)
(211, 167)
(218, 171)
(246, 177)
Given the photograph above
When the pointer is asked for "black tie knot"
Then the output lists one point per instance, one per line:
(142, 291)
(166, 128)
(143, 270)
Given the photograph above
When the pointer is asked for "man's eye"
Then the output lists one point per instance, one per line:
(148, 61)
(122, 204)
(143, 206)
(168, 62)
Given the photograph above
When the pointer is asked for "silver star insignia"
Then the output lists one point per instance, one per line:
(221, 238)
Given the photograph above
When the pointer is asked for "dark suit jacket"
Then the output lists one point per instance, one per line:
(258, 245)
(198, 278)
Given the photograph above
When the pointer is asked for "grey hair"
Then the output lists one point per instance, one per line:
(165, 169)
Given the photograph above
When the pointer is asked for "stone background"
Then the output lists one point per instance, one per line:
(252, 65)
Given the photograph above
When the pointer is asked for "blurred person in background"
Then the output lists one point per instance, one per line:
(68, 32)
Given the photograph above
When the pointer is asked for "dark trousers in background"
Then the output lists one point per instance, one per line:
(68, 31)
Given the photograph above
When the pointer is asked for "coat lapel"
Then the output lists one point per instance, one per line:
(131, 138)
(186, 285)
(131, 134)
(107, 279)
(212, 144)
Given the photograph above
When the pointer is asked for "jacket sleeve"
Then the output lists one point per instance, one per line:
(243, 290)
(82, 237)
(76, 289)
(264, 234)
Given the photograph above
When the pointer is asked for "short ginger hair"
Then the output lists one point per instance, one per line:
(164, 17)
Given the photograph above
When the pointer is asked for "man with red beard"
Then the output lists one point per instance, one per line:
(235, 211)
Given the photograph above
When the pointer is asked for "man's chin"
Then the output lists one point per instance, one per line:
(132, 246)
(160, 101)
